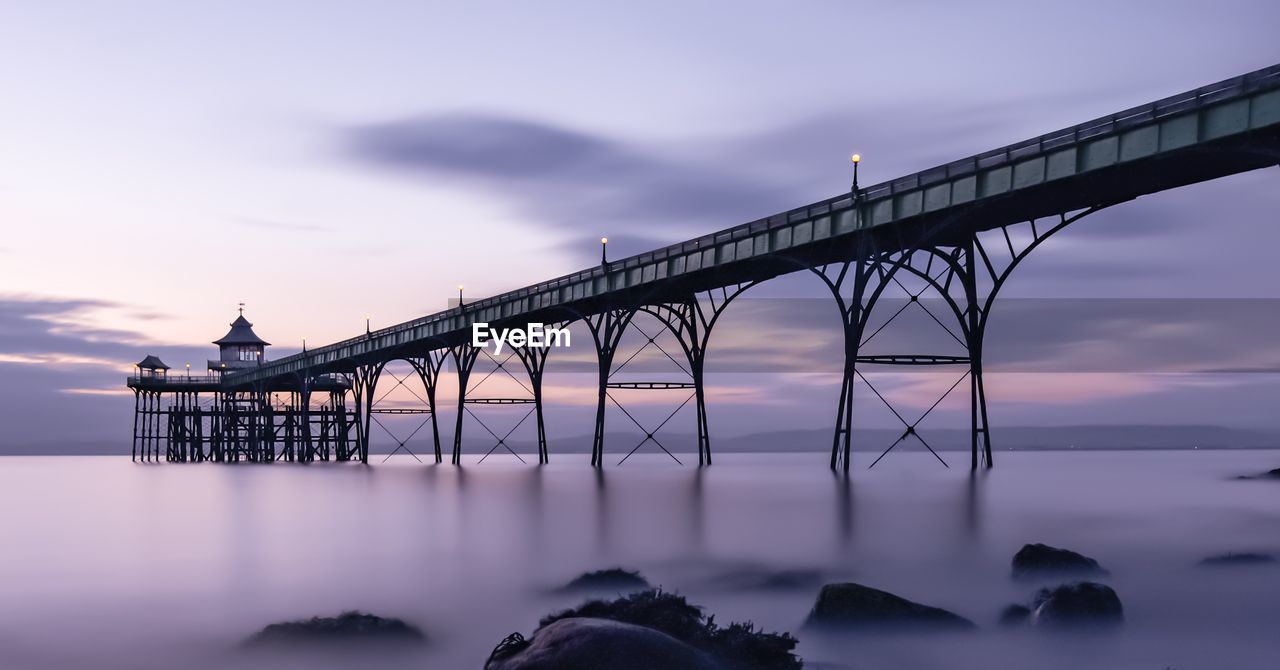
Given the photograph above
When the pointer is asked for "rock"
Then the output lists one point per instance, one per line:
(1081, 604)
(612, 579)
(1269, 474)
(1015, 615)
(1238, 558)
(603, 635)
(1037, 560)
(345, 628)
(598, 644)
(850, 605)
(762, 579)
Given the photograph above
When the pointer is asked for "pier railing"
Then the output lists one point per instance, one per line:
(135, 380)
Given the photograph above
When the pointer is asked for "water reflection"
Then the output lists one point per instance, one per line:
(187, 557)
(602, 514)
(844, 510)
(697, 530)
(973, 505)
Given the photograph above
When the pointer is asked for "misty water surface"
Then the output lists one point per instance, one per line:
(108, 564)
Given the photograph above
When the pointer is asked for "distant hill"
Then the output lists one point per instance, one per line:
(1010, 437)
(819, 439)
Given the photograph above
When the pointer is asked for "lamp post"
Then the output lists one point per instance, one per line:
(459, 296)
(188, 372)
(856, 159)
(367, 331)
(604, 251)
(304, 344)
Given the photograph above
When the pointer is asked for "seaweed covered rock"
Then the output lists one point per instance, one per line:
(611, 579)
(345, 628)
(1269, 474)
(587, 644)
(1039, 560)
(1015, 615)
(587, 638)
(1081, 604)
(851, 606)
(764, 579)
(1238, 558)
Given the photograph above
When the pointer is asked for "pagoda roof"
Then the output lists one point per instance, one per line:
(241, 333)
(152, 363)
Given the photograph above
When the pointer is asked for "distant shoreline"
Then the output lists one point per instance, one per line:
(808, 450)
(1082, 437)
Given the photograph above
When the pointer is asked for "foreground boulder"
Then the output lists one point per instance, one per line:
(1015, 615)
(345, 628)
(612, 579)
(1040, 560)
(763, 579)
(1238, 558)
(587, 644)
(1269, 474)
(649, 629)
(1082, 604)
(850, 606)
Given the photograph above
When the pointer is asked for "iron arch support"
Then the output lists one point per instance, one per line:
(606, 330)
(428, 368)
(691, 322)
(464, 359)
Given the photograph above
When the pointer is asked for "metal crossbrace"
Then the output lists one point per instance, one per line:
(400, 444)
(650, 340)
(915, 299)
(502, 441)
(910, 426)
(650, 434)
(500, 365)
(400, 382)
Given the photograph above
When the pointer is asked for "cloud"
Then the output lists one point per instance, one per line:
(35, 325)
(572, 179)
(120, 391)
(646, 193)
(64, 375)
(1055, 389)
(62, 334)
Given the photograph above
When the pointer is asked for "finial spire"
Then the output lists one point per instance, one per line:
(241, 309)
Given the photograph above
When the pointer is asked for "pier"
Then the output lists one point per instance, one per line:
(957, 230)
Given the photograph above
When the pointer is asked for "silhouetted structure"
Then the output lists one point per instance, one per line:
(958, 230)
(200, 418)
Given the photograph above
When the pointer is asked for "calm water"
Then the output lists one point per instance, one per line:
(108, 564)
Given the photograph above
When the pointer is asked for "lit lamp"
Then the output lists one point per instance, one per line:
(604, 251)
(188, 371)
(856, 159)
(366, 326)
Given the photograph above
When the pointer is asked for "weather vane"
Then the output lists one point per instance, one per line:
(241, 309)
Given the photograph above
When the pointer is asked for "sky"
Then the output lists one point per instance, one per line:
(326, 161)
